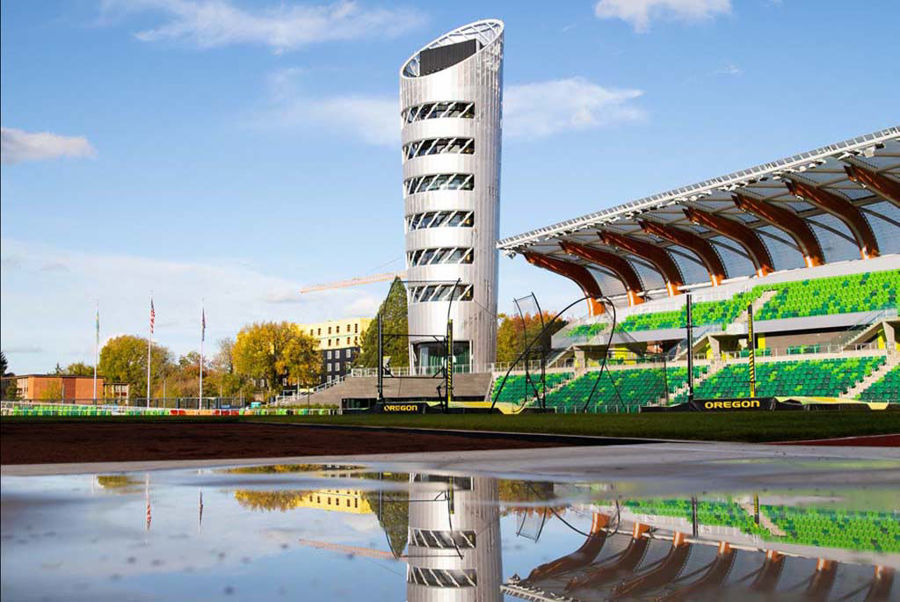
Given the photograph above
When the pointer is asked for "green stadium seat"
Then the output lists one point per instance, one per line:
(868, 531)
(886, 389)
(822, 296)
(814, 378)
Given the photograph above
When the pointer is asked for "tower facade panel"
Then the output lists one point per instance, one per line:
(451, 136)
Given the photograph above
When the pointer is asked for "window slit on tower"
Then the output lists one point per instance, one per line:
(459, 109)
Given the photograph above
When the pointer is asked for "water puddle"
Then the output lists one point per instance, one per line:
(311, 532)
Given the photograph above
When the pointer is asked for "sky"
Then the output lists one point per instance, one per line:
(225, 153)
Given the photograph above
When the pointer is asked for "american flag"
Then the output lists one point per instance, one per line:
(203, 324)
(152, 316)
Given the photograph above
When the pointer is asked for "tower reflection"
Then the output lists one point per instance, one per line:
(454, 539)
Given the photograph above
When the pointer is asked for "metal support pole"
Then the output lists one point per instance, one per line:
(751, 342)
(694, 526)
(690, 344)
(380, 360)
(449, 376)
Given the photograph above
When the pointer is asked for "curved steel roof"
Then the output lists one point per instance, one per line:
(834, 203)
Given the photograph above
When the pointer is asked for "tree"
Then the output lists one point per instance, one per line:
(78, 369)
(124, 359)
(275, 352)
(394, 321)
(226, 380)
(514, 334)
(9, 389)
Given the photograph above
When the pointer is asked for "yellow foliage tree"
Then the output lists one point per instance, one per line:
(275, 353)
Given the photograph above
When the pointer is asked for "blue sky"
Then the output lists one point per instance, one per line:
(231, 151)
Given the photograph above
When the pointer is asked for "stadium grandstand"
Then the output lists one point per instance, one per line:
(809, 244)
(713, 549)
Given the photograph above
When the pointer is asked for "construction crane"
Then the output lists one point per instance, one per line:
(353, 282)
(345, 549)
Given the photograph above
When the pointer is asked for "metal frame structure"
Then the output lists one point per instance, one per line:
(835, 203)
(450, 141)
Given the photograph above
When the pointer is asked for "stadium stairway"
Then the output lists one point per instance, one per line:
(757, 305)
(856, 391)
(680, 394)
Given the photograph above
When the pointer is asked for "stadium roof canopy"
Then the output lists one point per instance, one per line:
(835, 203)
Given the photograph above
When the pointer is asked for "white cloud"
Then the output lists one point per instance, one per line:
(545, 108)
(529, 110)
(49, 315)
(373, 119)
(639, 13)
(17, 146)
(729, 69)
(214, 23)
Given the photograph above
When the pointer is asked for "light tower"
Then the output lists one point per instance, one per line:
(450, 97)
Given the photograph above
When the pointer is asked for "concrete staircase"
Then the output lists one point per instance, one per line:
(424, 388)
(892, 360)
(740, 323)
(683, 389)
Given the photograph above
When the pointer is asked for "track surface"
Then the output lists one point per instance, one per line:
(62, 442)
(866, 441)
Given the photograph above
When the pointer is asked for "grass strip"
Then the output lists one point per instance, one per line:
(751, 427)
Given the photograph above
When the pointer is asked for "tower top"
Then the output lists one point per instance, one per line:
(483, 33)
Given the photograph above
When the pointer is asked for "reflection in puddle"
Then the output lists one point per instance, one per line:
(356, 532)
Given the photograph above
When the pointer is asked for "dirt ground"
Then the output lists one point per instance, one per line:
(60, 442)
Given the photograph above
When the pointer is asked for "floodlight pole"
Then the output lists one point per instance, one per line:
(690, 345)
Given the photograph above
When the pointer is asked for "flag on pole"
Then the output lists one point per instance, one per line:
(152, 315)
(97, 324)
(202, 325)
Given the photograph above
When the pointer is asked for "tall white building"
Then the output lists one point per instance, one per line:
(450, 96)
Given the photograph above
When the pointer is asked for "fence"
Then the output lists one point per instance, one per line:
(61, 408)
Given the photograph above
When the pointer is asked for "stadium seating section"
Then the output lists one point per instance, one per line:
(848, 529)
(823, 296)
(822, 378)
(885, 389)
(838, 295)
(587, 331)
(518, 388)
(618, 390)
(718, 514)
(822, 527)
(705, 313)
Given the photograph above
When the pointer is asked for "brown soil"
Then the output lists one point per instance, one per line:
(59, 442)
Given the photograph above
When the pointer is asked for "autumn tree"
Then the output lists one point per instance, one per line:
(276, 352)
(124, 359)
(394, 321)
(515, 333)
(226, 380)
(78, 369)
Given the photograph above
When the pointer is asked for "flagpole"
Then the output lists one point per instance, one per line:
(96, 349)
(149, 345)
(202, 338)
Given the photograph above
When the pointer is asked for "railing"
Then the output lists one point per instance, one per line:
(865, 322)
(797, 350)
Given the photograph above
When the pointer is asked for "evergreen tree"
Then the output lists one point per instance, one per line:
(395, 321)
